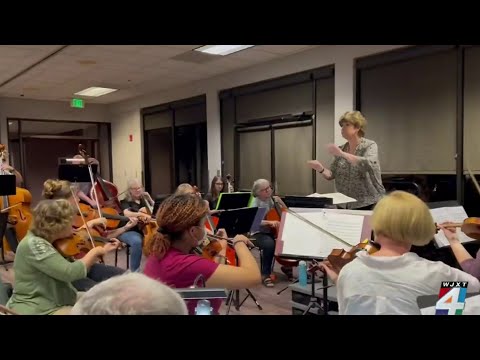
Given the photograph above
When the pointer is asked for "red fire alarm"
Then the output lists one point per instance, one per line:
(130, 137)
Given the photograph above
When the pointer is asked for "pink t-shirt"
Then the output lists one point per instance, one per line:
(179, 270)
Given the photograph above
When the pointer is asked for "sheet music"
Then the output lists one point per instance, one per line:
(454, 214)
(338, 198)
(302, 239)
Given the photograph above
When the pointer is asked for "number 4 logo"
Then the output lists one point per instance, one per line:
(451, 301)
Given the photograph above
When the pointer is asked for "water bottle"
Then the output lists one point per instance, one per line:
(203, 308)
(302, 273)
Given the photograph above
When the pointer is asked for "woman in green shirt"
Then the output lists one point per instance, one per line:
(42, 275)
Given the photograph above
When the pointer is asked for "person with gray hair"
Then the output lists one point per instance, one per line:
(262, 192)
(130, 294)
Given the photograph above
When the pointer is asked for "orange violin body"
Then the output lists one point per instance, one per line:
(338, 258)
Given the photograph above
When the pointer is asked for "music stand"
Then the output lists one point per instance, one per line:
(75, 173)
(238, 221)
(237, 200)
(8, 186)
(307, 202)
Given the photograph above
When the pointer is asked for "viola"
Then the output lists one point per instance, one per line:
(470, 227)
(338, 258)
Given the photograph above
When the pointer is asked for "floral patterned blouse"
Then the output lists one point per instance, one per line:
(362, 181)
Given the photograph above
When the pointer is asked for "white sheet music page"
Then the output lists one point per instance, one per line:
(338, 198)
(302, 239)
(454, 214)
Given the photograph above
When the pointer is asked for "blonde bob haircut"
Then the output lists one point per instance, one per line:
(403, 218)
(51, 217)
(184, 188)
(356, 119)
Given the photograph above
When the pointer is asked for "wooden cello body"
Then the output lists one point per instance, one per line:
(19, 213)
(275, 214)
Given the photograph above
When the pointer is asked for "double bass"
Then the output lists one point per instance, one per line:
(103, 192)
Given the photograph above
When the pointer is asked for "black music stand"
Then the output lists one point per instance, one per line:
(314, 300)
(75, 173)
(8, 187)
(307, 202)
(229, 201)
(238, 221)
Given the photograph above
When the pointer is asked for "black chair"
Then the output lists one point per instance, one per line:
(128, 255)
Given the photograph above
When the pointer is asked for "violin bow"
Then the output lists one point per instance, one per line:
(84, 154)
(83, 218)
(474, 180)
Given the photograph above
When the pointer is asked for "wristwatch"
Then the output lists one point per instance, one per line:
(322, 171)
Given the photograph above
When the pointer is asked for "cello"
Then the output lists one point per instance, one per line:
(275, 214)
(18, 207)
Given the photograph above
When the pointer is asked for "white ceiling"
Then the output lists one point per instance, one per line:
(133, 69)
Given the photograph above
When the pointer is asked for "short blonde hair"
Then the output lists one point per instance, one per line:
(184, 189)
(404, 218)
(51, 217)
(356, 119)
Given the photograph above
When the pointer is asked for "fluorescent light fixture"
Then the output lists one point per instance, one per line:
(95, 91)
(222, 49)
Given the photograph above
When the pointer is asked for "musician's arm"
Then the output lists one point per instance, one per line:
(82, 196)
(130, 213)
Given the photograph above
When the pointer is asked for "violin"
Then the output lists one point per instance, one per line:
(211, 247)
(338, 258)
(78, 244)
(150, 227)
(470, 227)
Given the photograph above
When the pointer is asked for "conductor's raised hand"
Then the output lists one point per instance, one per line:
(315, 165)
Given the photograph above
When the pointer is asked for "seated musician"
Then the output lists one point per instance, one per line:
(135, 199)
(181, 220)
(467, 262)
(216, 187)
(265, 238)
(62, 189)
(389, 281)
(6, 167)
(43, 277)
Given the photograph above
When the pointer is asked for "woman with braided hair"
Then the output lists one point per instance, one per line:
(181, 226)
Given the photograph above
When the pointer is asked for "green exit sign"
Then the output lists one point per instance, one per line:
(77, 103)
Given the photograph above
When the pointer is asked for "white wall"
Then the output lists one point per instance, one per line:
(126, 115)
(47, 110)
